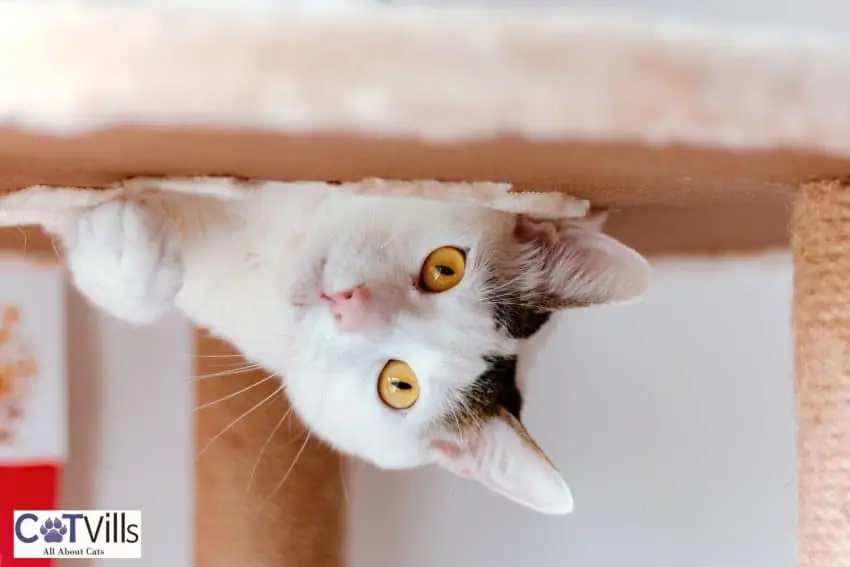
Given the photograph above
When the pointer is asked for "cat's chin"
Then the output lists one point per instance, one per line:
(397, 462)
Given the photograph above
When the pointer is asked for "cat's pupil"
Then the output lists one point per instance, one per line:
(401, 385)
(444, 270)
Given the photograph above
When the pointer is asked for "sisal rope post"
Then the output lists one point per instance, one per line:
(821, 245)
(268, 494)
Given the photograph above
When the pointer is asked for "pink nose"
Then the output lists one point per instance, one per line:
(350, 307)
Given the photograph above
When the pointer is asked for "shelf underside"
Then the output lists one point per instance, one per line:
(665, 199)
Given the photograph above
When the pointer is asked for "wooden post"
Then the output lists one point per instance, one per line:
(272, 523)
(821, 244)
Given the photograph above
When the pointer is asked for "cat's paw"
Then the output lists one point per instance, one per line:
(126, 258)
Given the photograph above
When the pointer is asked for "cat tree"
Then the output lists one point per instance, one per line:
(698, 138)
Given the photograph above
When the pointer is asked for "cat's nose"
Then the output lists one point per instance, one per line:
(355, 294)
(350, 307)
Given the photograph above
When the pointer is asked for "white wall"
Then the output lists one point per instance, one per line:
(132, 443)
(672, 419)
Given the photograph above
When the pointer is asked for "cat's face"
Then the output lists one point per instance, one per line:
(409, 315)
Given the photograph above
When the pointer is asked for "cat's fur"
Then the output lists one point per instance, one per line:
(253, 271)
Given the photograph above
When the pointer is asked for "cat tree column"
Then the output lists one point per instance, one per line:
(822, 317)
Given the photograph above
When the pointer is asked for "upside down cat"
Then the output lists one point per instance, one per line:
(395, 322)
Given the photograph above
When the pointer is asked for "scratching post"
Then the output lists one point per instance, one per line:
(266, 491)
(822, 316)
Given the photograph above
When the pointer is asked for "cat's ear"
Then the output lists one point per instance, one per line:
(503, 457)
(576, 264)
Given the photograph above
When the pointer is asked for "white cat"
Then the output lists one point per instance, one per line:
(395, 322)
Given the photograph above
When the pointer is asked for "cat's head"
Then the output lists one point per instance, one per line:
(409, 317)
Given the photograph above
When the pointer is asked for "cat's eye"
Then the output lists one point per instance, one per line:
(442, 269)
(397, 385)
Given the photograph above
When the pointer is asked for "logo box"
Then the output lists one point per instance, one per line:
(77, 534)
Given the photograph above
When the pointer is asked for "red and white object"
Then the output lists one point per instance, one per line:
(33, 393)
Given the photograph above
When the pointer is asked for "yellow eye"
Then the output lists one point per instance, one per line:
(442, 270)
(397, 385)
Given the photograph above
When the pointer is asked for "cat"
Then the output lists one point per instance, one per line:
(395, 322)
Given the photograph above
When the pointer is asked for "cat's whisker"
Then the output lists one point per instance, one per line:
(299, 435)
(460, 434)
(320, 409)
(469, 414)
(476, 420)
(459, 430)
(265, 446)
(512, 300)
(234, 394)
(217, 356)
(508, 286)
(214, 368)
(501, 292)
(26, 237)
(289, 425)
(502, 284)
(237, 420)
(342, 479)
(290, 469)
(55, 248)
(231, 372)
(454, 408)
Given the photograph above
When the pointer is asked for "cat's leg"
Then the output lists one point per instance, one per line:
(125, 257)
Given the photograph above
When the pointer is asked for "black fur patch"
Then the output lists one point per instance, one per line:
(500, 376)
(494, 389)
(519, 314)
(519, 321)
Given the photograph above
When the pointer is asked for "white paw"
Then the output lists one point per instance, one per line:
(126, 258)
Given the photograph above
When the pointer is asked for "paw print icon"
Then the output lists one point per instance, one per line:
(53, 530)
